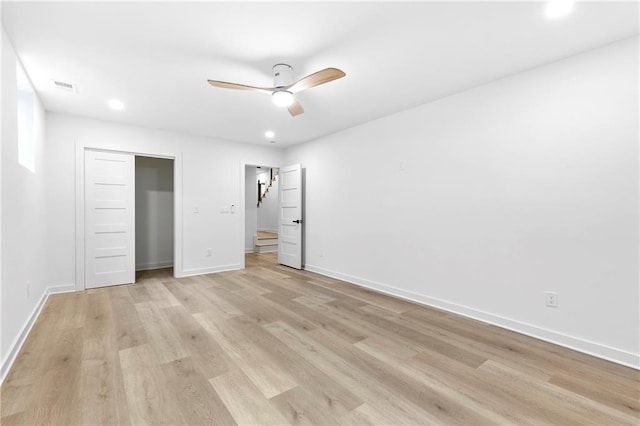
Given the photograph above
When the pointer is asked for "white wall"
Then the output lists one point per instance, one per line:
(493, 196)
(251, 211)
(154, 213)
(25, 253)
(211, 171)
(268, 210)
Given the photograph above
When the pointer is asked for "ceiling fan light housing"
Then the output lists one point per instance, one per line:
(282, 98)
(282, 75)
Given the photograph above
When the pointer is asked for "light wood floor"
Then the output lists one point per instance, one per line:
(270, 346)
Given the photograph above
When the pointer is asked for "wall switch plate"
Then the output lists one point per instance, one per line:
(551, 299)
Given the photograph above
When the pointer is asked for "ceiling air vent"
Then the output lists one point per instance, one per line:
(69, 87)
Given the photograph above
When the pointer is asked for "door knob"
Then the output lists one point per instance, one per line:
(297, 221)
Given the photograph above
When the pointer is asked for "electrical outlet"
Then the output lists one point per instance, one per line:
(209, 252)
(551, 299)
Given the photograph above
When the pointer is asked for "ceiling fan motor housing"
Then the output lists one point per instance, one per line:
(282, 75)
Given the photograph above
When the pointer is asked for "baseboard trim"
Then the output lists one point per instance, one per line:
(154, 265)
(211, 270)
(266, 249)
(15, 347)
(599, 350)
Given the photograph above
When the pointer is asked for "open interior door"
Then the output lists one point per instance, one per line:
(290, 216)
(109, 219)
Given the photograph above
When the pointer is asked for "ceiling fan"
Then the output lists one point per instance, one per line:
(284, 87)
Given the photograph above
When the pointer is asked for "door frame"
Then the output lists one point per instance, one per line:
(243, 167)
(80, 148)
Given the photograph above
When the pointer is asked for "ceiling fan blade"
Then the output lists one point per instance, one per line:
(227, 85)
(295, 108)
(316, 79)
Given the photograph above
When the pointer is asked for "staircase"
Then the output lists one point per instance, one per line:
(265, 242)
(262, 190)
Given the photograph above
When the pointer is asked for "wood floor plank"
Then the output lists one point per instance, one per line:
(366, 415)
(264, 311)
(370, 297)
(47, 404)
(275, 345)
(31, 361)
(247, 404)
(299, 407)
(557, 403)
(474, 341)
(15, 399)
(139, 293)
(441, 405)
(128, 327)
(67, 309)
(329, 395)
(149, 400)
(196, 398)
(389, 355)
(101, 385)
(159, 294)
(627, 400)
(188, 298)
(209, 357)
(162, 338)
(340, 329)
(257, 365)
(343, 372)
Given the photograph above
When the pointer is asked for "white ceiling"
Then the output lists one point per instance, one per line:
(157, 57)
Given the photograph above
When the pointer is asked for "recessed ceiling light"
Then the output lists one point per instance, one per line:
(559, 8)
(116, 104)
(269, 134)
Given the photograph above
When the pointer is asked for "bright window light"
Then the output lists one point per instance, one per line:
(26, 120)
(559, 8)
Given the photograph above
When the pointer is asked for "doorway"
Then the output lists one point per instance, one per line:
(154, 200)
(261, 214)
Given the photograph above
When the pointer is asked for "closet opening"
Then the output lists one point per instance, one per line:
(154, 216)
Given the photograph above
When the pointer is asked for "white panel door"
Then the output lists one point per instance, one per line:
(109, 218)
(290, 216)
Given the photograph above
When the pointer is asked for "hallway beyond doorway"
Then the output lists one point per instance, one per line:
(261, 259)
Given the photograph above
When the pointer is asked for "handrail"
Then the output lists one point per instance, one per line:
(272, 178)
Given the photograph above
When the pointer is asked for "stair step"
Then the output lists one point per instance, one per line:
(264, 235)
(262, 247)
